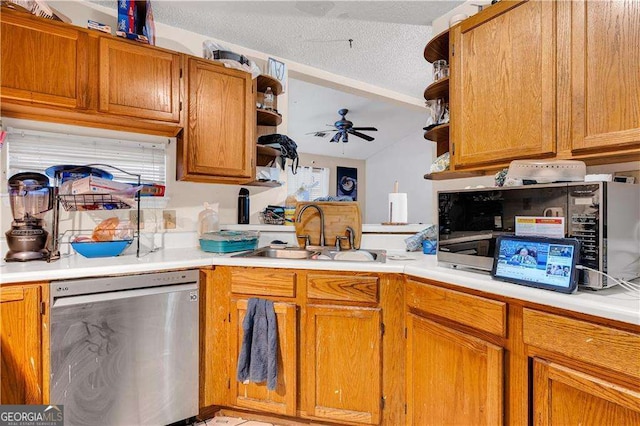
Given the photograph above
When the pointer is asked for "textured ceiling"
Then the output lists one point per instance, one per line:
(388, 37)
(312, 107)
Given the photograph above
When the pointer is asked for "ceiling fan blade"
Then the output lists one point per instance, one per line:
(361, 135)
(336, 137)
(369, 129)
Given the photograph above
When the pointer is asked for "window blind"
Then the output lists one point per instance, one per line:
(313, 179)
(35, 151)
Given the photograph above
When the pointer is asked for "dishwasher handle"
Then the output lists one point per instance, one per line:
(117, 295)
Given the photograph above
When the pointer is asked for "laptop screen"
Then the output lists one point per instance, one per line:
(538, 262)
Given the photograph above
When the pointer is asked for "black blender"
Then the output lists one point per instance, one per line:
(30, 196)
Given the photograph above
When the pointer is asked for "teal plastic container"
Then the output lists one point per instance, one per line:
(229, 241)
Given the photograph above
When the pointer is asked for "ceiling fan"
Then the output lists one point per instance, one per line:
(345, 127)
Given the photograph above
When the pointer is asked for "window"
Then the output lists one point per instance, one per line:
(313, 179)
(35, 151)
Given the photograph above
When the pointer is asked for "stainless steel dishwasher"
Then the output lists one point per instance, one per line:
(124, 350)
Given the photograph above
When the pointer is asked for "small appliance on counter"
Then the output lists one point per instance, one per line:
(30, 197)
(602, 216)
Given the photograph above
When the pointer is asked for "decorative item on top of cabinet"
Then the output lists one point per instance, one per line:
(218, 142)
(23, 318)
(504, 84)
(138, 80)
(43, 62)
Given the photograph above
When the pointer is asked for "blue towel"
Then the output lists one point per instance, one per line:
(258, 360)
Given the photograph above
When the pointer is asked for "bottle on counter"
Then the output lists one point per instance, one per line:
(208, 220)
(243, 206)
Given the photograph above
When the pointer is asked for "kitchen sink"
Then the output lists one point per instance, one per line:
(280, 253)
(319, 253)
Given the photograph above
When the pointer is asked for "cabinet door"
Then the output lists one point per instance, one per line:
(503, 84)
(139, 81)
(256, 396)
(344, 363)
(20, 328)
(43, 63)
(564, 396)
(219, 141)
(452, 378)
(605, 79)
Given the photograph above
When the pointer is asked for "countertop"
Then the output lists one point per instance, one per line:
(367, 228)
(614, 303)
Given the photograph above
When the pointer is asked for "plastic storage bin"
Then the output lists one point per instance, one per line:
(229, 241)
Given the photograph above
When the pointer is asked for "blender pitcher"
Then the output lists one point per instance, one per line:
(30, 197)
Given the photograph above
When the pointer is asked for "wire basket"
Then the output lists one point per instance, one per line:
(269, 217)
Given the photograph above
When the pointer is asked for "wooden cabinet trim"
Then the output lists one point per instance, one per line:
(22, 345)
(584, 137)
(77, 99)
(10, 294)
(591, 343)
(469, 152)
(494, 355)
(372, 413)
(342, 287)
(263, 282)
(545, 373)
(192, 155)
(288, 352)
(473, 311)
(106, 47)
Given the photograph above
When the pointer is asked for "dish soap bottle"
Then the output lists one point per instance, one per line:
(208, 219)
(268, 99)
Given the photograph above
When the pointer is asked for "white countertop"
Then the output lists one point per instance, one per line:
(367, 228)
(614, 303)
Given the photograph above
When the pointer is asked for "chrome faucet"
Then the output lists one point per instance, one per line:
(317, 207)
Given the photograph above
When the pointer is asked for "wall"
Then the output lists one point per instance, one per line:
(312, 160)
(406, 162)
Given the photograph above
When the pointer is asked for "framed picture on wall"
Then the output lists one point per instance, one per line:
(278, 70)
(347, 182)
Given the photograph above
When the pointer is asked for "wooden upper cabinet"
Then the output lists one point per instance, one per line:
(343, 357)
(563, 396)
(452, 378)
(503, 86)
(218, 144)
(281, 400)
(139, 81)
(21, 331)
(43, 63)
(605, 36)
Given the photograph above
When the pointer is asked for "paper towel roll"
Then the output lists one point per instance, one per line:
(398, 207)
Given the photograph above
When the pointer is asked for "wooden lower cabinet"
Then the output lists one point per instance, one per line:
(452, 378)
(564, 396)
(22, 318)
(256, 396)
(343, 353)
